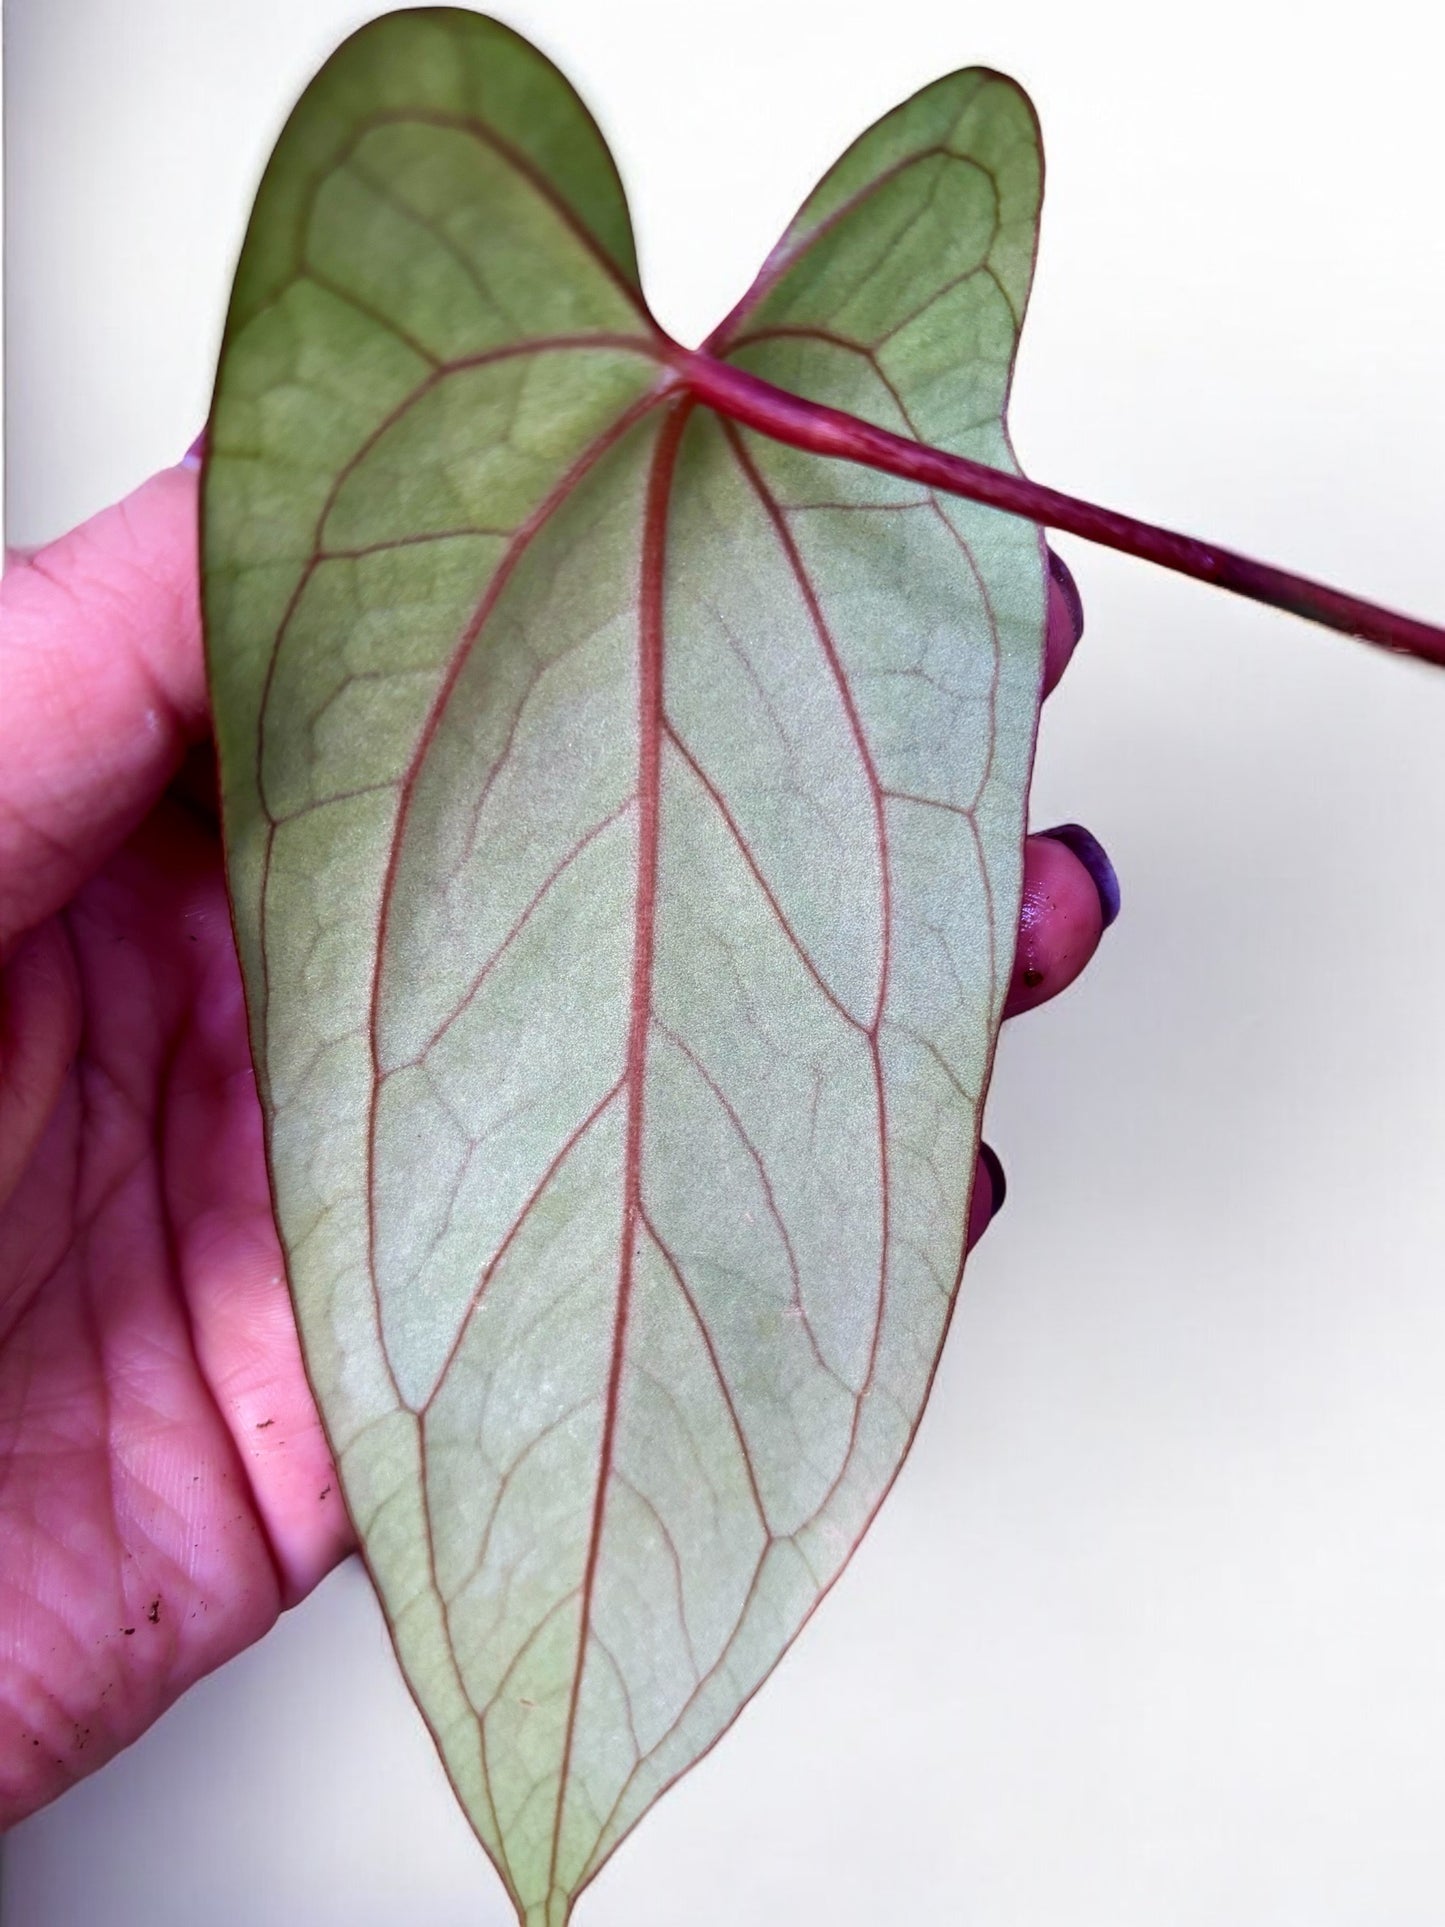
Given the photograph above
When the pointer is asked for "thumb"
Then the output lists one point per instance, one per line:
(101, 664)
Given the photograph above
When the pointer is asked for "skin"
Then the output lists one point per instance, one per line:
(165, 1486)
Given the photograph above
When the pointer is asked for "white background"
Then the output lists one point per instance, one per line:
(1151, 1631)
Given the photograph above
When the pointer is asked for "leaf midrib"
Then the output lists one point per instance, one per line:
(649, 794)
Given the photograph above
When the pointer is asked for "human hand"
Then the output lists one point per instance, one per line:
(165, 1486)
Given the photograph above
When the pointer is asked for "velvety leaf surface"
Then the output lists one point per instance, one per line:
(624, 820)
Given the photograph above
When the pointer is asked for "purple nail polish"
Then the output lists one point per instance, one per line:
(1063, 575)
(998, 1183)
(1095, 859)
(196, 452)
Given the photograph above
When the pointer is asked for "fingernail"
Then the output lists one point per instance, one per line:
(196, 452)
(998, 1183)
(1095, 859)
(1063, 575)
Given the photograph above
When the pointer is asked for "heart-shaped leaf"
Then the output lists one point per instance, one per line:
(624, 817)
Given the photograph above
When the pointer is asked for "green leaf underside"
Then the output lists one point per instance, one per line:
(624, 820)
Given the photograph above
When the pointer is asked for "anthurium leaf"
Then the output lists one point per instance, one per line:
(624, 820)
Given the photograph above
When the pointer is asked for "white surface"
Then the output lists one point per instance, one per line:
(1151, 1631)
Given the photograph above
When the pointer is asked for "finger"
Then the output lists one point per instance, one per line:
(990, 1188)
(1070, 897)
(100, 658)
(224, 1237)
(1065, 621)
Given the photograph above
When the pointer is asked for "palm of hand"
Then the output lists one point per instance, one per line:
(164, 1484)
